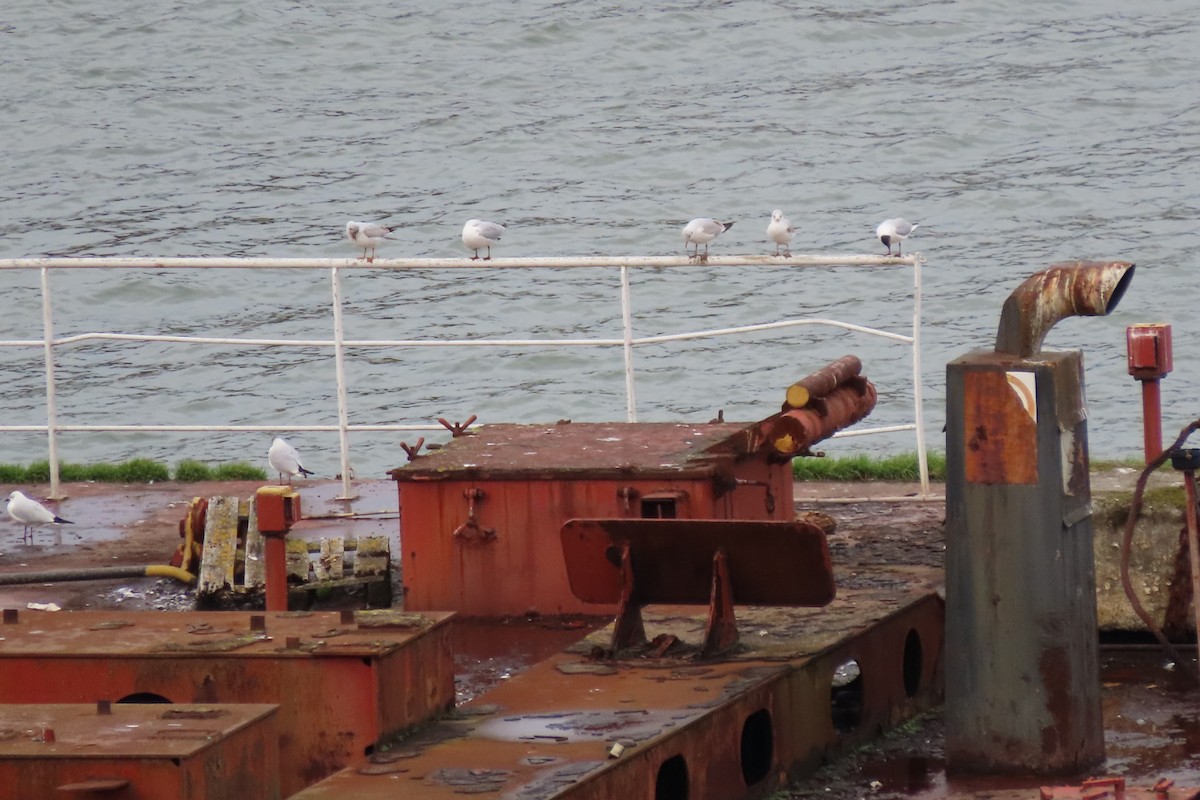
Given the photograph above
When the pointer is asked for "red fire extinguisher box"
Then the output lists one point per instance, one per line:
(480, 517)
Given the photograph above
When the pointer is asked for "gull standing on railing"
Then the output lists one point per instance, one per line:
(478, 234)
(368, 236)
(781, 232)
(894, 231)
(701, 231)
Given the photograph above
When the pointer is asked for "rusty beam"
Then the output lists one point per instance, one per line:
(742, 726)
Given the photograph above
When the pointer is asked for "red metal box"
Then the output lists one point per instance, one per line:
(480, 517)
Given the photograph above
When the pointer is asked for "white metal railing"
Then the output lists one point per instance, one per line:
(339, 343)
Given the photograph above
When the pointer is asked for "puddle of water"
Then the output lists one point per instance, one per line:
(489, 652)
(1151, 731)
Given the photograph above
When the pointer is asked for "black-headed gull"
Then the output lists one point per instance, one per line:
(285, 460)
(894, 231)
(479, 234)
(31, 513)
(781, 232)
(701, 231)
(368, 236)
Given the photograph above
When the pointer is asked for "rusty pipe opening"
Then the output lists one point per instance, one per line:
(1073, 289)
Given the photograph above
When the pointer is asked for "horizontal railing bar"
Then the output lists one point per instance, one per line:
(669, 337)
(881, 429)
(208, 428)
(233, 262)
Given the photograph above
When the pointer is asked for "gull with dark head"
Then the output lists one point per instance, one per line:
(368, 236)
(894, 231)
(781, 232)
(30, 513)
(285, 460)
(478, 234)
(701, 231)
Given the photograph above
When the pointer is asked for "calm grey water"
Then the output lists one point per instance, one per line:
(1018, 134)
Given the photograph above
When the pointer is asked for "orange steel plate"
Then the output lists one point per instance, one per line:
(770, 563)
(727, 728)
(165, 752)
(340, 685)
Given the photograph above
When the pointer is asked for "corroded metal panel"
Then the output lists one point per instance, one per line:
(575, 450)
(770, 563)
(176, 752)
(999, 428)
(340, 684)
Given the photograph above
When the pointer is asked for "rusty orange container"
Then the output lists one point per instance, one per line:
(480, 517)
(341, 682)
(140, 752)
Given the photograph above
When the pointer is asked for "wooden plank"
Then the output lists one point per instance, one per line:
(298, 564)
(332, 563)
(255, 573)
(220, 546)
(372, 556)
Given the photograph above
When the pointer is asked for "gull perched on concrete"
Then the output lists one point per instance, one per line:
(31, 513)
(478, 234)
(701, 231)
(368, 236)
(894, 231)
(285, 460)
(781, 232)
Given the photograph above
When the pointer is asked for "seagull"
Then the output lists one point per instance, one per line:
(31, 513)
(781, 232)
(368, 236)
(478, 234)
(894, 230)
(285, 460)
(701, 231)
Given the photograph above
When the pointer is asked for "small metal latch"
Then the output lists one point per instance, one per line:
(627, 494)
(471, 529)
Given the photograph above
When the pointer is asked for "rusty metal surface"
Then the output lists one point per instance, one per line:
(341, 683)
(578, 729)
(770, 563)
(1078, 288)
(189, 752)
(1000, 434)
(569, 450)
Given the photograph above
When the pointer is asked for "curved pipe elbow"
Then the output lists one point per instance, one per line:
(1074, 289)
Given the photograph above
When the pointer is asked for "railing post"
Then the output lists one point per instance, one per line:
(51, 409)
(627, 333)
(922, 456)
(339, 361)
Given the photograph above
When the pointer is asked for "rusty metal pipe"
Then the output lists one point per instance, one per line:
(823, 381)
(97, 574)
(792, 432)
(1073, 289)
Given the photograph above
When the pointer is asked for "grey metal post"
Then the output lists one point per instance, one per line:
(1022, 671)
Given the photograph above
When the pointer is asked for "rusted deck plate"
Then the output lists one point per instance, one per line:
(727, 728)
(571, 450)
(177, 751)
(770, 563)
(340, 686)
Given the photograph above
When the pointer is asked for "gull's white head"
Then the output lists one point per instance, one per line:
(776, 215)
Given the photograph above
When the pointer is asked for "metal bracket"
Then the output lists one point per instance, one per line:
(471, 530)
(457, 429)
